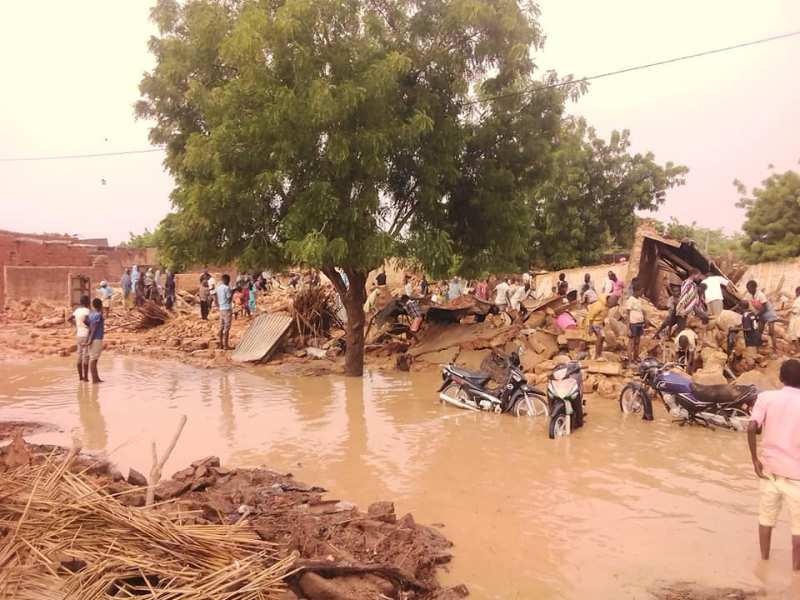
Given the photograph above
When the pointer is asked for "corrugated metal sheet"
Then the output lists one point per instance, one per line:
(261, 337)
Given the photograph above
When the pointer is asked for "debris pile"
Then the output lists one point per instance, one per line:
(214, 533)
(58, 525)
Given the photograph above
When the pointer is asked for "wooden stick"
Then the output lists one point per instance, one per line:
(155, 471)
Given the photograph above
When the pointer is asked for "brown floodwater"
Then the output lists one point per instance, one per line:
(607, 513)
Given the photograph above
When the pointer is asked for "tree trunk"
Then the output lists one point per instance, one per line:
(353, 298)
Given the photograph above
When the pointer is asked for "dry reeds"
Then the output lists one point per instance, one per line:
(314, 311)
(151, 314)
(62, 537)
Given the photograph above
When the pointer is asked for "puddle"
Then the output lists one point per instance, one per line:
(607, 513)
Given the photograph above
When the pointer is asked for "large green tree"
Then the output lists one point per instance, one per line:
(772, 225)
(588, 204)
(336, 133)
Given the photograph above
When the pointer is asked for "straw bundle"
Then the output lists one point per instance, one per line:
(65, 538)
(314, 310)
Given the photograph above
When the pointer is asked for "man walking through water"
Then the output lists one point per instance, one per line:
(97, 327)
(223, 292)
(776, 415)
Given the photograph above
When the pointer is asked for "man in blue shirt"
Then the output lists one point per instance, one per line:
(127, 287)
(95, 337)
(223, 293)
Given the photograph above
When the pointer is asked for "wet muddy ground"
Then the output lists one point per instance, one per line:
(612, 512)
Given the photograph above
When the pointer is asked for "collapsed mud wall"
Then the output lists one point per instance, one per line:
(781, 275)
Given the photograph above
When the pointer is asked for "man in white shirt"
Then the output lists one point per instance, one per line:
(713, 294)
(81, 319)
(519, 295)
(502, 297)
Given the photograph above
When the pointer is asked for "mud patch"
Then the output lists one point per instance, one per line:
(8, 429)
(691, 591)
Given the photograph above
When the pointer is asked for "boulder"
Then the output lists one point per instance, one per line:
(382, 511)
(447, 355)
(543, 344)
(763, 380)
(17, 453)
(208, 461)
(602, 367)
(709, 376)
(472, 359)
(171, 489)
(136, 478)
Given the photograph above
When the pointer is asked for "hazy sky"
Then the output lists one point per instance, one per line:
(71, 70)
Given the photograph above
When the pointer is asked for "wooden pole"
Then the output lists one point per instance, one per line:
(155, 471)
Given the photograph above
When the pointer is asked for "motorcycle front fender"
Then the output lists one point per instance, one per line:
(445, 383)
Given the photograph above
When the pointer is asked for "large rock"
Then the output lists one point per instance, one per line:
(17, 453)
(382, 511)
(543, 344)
(709, 376)
(171, 489)
(447, 355)
(472, 359)
(763, 380)
(136, 478)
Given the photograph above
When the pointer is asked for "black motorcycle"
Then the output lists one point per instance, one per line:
(470, 390)
(723, 405)
(565, 399)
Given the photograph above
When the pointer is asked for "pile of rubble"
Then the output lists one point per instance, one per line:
(309, 546)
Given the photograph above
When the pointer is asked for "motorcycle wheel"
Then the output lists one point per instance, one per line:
(522, 407)
(631, 400)
(559, 424)
(455, 392)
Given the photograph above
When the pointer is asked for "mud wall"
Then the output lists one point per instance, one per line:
(24, 250)
(46, 283)
(768, 275)
(544, 282)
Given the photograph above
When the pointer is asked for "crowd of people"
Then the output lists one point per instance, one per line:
(699, 295)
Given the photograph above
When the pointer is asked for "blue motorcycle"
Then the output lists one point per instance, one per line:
(723, 405)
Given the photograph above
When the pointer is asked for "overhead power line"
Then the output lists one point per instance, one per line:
(485, 99)
(95, 155)
(637, 67)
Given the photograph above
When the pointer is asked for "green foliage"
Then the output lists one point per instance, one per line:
(341, 132)
(772, 225)
(587, 205)
(146, 239)
(715, 243)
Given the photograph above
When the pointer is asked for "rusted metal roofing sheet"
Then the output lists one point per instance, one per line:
(261, 337)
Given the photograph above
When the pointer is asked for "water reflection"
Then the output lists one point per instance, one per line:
(604, 514)
(94, 433)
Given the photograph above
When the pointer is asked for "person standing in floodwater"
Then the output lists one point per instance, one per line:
(81, 319)
(97, 327)
(223, 293)
(776, 415)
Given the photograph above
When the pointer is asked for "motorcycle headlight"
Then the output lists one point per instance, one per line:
(563, 388)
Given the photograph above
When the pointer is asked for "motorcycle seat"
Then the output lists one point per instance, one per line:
(721, 393)
(476, 377)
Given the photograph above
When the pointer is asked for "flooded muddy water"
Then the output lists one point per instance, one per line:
(606, 513)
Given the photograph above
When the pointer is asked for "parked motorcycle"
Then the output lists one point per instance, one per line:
(724, 405)
(469, 390)
(565, 399)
